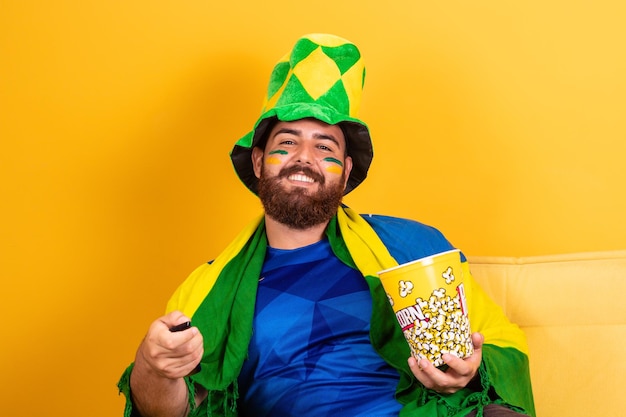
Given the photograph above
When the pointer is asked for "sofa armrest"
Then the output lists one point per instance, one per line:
(573, 312)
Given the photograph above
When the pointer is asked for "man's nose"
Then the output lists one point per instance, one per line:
(305, 155)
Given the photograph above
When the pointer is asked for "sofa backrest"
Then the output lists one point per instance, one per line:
(572, 308)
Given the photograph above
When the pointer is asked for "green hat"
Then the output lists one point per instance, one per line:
(321, 78)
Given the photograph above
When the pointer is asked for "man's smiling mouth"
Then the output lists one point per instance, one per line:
(301, 178)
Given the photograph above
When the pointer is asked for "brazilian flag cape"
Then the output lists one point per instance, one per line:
(219, 297)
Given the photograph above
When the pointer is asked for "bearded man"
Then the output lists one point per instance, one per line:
(291, 319)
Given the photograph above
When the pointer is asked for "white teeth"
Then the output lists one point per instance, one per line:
(300, 177)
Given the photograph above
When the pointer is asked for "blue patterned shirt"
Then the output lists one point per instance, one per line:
(310, 353)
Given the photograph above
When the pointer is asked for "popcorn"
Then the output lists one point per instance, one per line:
(443, 331)
(448, 275)
(428, 299)
(406, 288)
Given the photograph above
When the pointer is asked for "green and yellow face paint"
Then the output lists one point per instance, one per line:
(335, 167)
(272, 159)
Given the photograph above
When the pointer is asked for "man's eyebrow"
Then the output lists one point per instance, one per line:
(297, 132)
(289, 131)
(326, 137)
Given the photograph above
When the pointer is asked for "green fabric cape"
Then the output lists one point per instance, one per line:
(219, 298)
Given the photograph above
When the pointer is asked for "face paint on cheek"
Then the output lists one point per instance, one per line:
(274, 160)
(336, 167)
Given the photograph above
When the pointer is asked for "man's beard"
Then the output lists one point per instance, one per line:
(297, 208)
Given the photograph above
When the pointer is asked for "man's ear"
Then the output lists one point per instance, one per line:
(257, 161)
(347, 169)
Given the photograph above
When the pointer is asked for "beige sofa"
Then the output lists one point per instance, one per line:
(573, 310)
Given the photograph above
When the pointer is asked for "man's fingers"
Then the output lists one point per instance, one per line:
(477, 340)
(424, 371)
(173, 354)
(175, 319)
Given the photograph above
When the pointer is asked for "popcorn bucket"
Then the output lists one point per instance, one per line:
(428, 298)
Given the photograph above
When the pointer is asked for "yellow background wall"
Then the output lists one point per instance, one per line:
(501, 123)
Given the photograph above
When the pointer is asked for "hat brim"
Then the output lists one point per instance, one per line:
(358, 141)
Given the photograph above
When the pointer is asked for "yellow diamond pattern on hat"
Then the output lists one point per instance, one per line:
(325, 39)
(321, 68)
(317, 73)
(353, 83)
